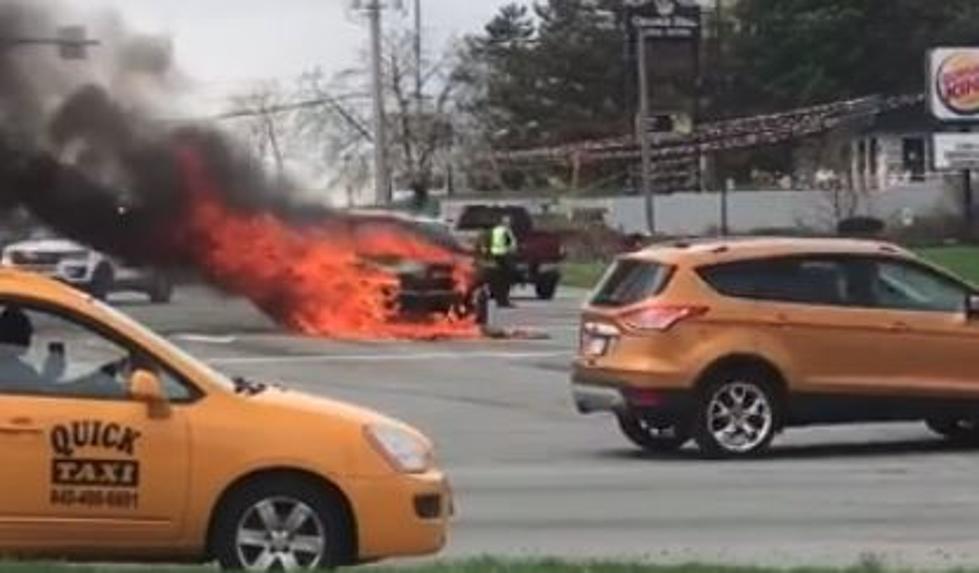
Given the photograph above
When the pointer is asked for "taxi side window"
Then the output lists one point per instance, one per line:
(46, 354)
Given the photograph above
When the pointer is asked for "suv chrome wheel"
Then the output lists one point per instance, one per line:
(280, 534)
(740, 417)
(738, 414)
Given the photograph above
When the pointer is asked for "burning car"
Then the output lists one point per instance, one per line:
(426, 287)
(85, 268)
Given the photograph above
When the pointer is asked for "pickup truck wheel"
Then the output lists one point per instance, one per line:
(651, 438)
(101, 284)
(955, 430)
(546, 286)
(280, 525)
(737, 415)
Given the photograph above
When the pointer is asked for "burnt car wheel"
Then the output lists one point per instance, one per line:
(737, 416)
(650, 437)
(281, 525)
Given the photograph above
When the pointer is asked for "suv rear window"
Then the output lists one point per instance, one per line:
(630, 281)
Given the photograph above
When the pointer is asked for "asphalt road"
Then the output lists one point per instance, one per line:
(535, 479)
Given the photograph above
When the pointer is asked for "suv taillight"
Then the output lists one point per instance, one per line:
(661, 318)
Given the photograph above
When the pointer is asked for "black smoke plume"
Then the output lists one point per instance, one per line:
(98, 169)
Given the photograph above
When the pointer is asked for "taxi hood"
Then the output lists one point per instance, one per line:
(303, 403)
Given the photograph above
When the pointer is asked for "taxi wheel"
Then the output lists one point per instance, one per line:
(651, 438)
(281, 525)
(737, 415)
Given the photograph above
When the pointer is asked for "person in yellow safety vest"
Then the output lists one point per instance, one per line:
(503, 247)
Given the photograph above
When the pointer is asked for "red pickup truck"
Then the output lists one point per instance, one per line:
(539, 255)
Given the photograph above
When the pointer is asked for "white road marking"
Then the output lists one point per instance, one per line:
(416, 357)
(204, 339)
(562, 328)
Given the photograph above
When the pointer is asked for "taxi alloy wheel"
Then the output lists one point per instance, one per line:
(280, 534)
(281, 523)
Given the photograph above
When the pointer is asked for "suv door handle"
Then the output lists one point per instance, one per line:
(900, 327)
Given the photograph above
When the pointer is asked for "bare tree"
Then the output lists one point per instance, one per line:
(323, 122)
(264, 121)
(334, 132)
(421, 129)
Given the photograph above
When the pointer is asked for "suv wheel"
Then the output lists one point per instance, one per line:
(286, 525)
(737, 415)
(650, 437)
(956, 430)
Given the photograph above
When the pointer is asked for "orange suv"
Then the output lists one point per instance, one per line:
(730, 342)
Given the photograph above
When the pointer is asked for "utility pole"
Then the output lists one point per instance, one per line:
(382, 177)
(642, 132)
(419, 81)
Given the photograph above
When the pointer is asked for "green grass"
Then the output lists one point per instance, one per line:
(486, 565)
(961, 260)
(583, 275)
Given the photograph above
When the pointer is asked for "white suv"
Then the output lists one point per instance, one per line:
(85, 268)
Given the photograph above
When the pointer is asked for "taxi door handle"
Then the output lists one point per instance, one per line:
(20, 426)
(900, 327)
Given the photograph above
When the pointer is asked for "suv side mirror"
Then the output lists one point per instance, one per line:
(972, 306)
(146, 387)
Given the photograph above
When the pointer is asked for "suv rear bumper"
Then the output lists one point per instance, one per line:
(596, 399)
(600, 395)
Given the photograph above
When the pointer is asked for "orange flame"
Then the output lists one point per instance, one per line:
(314, 280)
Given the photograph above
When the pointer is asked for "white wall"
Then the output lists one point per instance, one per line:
(698, 213)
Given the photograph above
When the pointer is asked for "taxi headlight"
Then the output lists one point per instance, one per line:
(404, 451)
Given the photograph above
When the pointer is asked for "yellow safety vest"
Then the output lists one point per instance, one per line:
(502, 241)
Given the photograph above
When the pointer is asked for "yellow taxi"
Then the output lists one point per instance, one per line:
(119, 446)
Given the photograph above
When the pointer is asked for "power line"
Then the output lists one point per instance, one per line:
(245, 113)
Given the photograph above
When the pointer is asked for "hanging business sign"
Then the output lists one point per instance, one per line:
(666, 19)
(955, 151)
(953, 83)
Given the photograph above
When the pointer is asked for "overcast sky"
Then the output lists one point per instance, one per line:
(226, 43)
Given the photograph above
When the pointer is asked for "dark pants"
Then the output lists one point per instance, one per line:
(502, 279)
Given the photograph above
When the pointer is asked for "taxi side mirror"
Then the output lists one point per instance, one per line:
(146, 387)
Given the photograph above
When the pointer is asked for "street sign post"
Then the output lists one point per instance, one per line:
(667, 36)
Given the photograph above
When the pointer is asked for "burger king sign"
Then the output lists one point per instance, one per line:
(954, 83)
